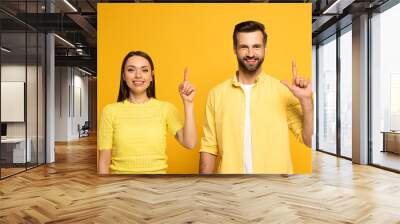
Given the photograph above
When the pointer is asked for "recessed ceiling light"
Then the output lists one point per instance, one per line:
(71, 6)
(64, 40)
(5, 50)
(337, 7)
(84, 71)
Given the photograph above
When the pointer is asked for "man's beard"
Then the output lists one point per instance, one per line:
(248, 68)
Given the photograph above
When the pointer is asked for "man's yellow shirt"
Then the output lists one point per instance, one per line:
(274, 110)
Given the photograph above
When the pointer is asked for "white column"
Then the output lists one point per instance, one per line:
(50, 92)
(360, 89)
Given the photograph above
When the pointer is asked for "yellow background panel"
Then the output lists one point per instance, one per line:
(199, 36)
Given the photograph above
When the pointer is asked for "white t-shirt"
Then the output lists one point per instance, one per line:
(248, 161)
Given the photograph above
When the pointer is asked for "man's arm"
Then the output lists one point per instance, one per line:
(302, 90)
(207, 163)
(209, 146)
(308, 121)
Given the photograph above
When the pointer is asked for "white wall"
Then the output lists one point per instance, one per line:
(80, 84)
(71, 93)
(62, 80)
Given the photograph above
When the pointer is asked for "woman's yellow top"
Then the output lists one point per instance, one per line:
(136, 134)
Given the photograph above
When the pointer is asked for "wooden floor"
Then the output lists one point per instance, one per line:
(70, 191)
(5, 172)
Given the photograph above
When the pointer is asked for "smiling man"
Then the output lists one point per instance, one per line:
(248, 117)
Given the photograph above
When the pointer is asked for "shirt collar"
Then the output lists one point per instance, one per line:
(259, 79)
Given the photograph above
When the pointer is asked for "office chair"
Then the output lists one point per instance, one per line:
(84, 130)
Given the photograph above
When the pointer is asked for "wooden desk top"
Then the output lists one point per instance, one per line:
(391, 132)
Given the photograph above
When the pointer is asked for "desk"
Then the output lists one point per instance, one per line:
(16, 147)
(391, 141)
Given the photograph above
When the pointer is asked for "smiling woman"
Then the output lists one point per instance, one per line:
(132, 134)
(138, 81)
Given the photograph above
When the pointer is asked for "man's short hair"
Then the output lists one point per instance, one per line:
(247, 27)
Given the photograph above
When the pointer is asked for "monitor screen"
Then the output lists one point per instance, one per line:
(3, 129)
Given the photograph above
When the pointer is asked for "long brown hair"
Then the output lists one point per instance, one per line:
(123, 87)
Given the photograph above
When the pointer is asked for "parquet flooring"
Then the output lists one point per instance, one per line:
(10, 171)
(70, 191)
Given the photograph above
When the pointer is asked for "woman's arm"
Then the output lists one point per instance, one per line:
(187, 136)
(104, 161)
